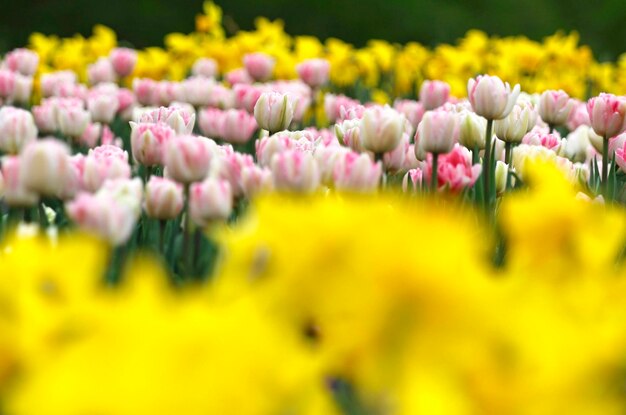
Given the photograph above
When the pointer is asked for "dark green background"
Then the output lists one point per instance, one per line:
(602, 24)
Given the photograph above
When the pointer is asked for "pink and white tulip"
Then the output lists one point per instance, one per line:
(103, 163)
(259, 65)
(205, 67)
(274, 111)
(45, 167)
(147, 141)
(434, 94)
(357, 173)
(15, 192)
(490, 97)
(17, 129)
(381, 129)
(314, 72)
(210, 201)
(237, 126)
(438, 131)
(23, 61)
(455, 170)
(555, 107)
(123, 61)
(295, 171)
(187, 158)
(607, 114)
(101, 71)
(164, 198)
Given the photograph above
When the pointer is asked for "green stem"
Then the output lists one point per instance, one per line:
(605, 166)
(433, 176)
(186, 251)
(487, 165)
(508, 147)
(43, 218)
(162, 226)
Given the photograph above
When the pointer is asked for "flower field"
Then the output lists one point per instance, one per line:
(261, 224)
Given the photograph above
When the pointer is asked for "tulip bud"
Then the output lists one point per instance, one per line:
(210, 200)
(255, 180)
(147, 141)
(514, 126)
(102, 163)
(259, 65)
(237, 126)
(196, 91)
(210, 121)
(502, 171)
(266, 147)
(101, 71)
(578, 116)
(314, 72)
(45, 167)
(412, 180)
(395, 160)
(490, 97)
(547, 140)
(455, 170)
(381, 129)
(577, 145)
(15, 192)
(164, 198)
(206, 67)
(188, 157)
(438, 131)
(239, 76)
(413, 111)
(273, 111)
(23, 89)
(123, 61)
(295, 171)
(606, 114)
(102, 107)
(555, 107)
(434, 94)
(72, 121)
(7, 83)
(472, 130)
(23, 61)
(17, 129)
(357, 172)
(180, 119)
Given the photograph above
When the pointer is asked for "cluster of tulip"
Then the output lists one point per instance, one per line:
(508, 301)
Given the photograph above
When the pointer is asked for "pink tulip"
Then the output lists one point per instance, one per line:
(434, 94)
(101, 71)
(103, 163)
(413, 180)
(334, 103)
(555, 107)
(72, 121)
(239, 76)
(255, 180)
(102, 106)
(123, 61)
(164, 198)
(551, 141)
(238, 126)
(17, 129)
(395, 160)
(7, 83)
(23, 61)
(196, 91)
(606, 114)
(23, 89)
(246, 96)
(314, 72)
(210, 201)
(412, 110)
(211, 121)
(51, 82)
(15, 192)
(91, 135)
(578, 116)
(45, 167)
(259, 65)
(147, 141)
(274, 111)
(145, 91)
(438, 131)
(490, 97)
(357, 173)
(267, 147)
(454, 171)
(180, 119)
(187, 158)
(205, 67)
(295, 171)
(381, 129)
(228, 165)
(125, 100)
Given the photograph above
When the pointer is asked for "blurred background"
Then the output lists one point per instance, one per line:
(144, 22)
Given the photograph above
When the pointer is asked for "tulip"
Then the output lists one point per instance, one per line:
(17, 129)
(210, 121)
(501, 177)
(102, 107)
(188, 157)
(434, 94)
(555, 107)
(228, 165)
(239, 76)
(45, 167)
(101, 71)
(15, 192)
(438, 131)
(334, 103)
(295, 171)
(259, 65)
(578, 147)
(454, 170)
(103, 163)
(23, 89)
(413, 111)
(179, 118)
(73, 121)
(196, 91)
(490, 97)
(357, 172)
(273, 111)
(314, 72)
(23, 61)
(145, 91)
(206, 67)
(123, 61)
(51, 82)
(381, 129)
(7, 83)
(578, 116)
(327, 157)
(266, 147)
(164, 198)
(209, 201)
(237, 126)
(472, 130)
(147, 141)
(551, 141)
(395, 160)
(412, 180)
(514, 126)
(45, 117)
(255, 180)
